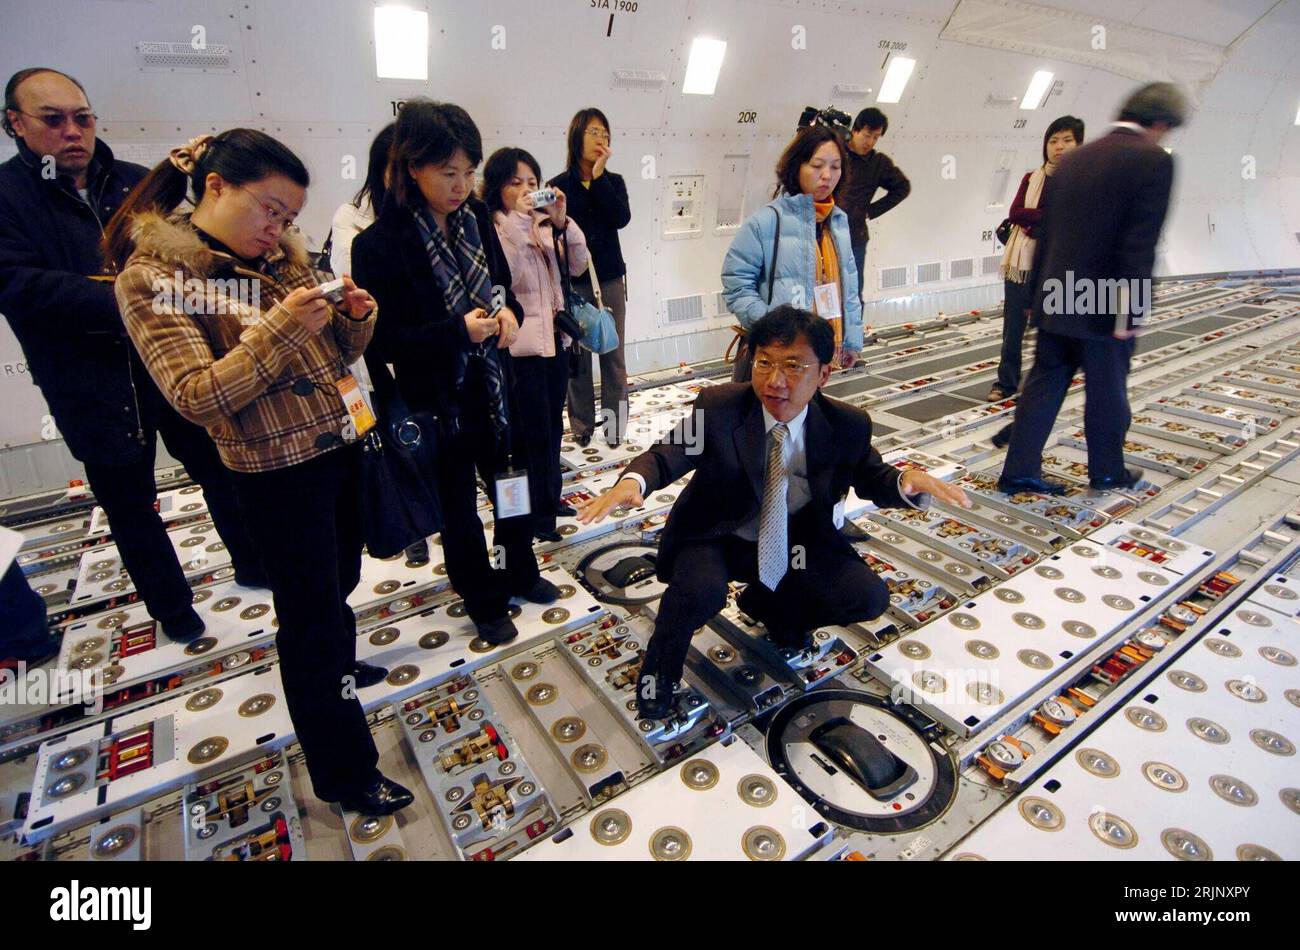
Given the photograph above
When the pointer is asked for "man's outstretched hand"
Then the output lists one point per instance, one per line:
(915, 482)
(625, 494)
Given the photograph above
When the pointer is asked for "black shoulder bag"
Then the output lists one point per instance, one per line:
(399, 500)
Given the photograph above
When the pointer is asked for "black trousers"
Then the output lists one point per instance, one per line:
(306, 521)
(128, 492)
(1016, 298)
(860, 258)
(484, 583)
(540, 385)
(833, 587)
(1106, 417)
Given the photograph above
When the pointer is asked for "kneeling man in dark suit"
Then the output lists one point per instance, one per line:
(772, 459)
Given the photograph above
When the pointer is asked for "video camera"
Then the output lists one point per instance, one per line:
(830, 117)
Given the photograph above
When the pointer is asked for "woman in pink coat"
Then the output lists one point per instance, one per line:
(541, 354)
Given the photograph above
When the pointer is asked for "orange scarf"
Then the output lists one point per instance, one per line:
(828, 266)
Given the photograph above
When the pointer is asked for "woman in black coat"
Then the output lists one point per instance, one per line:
(597, 200)
(433, 262)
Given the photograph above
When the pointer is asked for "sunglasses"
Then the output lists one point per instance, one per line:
(56, 120)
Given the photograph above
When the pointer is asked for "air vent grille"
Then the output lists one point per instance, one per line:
(168, 56)
(893, 277)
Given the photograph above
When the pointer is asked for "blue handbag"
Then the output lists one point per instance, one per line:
(599, 334)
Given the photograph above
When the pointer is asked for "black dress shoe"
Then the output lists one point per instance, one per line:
(382, 797)
(1002, 438)
(542, 592)
(565, 511)
(418, 553)
(551, 536)
(497, 632)
(185, 628)
(1042, 486)
(654, 696)
(583, 440)
(367, 674)
(1130, 478)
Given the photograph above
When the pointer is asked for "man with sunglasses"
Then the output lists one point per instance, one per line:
(772, 458)
(55, 196)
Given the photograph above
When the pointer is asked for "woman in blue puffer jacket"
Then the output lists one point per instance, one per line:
(814, 263)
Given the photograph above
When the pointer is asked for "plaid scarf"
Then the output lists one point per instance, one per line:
(461, 272)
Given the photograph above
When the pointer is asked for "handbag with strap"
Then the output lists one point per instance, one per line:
(599, 332)
(399, 498)
(1003, 231)
(564, 321)
(743, 370)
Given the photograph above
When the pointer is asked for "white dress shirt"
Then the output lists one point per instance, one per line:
(799, 493)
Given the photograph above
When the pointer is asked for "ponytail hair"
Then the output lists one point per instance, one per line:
(240, 156)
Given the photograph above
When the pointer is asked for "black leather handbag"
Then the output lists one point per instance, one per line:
(1003, 231)
(399, 503)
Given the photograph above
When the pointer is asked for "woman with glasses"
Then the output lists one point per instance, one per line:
(229, 319)
(530, 237)
(597, 201)
(797, 249)
(434, 262)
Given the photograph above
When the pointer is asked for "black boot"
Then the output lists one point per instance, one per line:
(184, 629)
(497, 632)
(542, 592)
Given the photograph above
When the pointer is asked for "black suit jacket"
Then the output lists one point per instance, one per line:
(414, 332)
(1102, 218)
(727, 489)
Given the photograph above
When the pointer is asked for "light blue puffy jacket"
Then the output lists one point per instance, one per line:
(748, 263)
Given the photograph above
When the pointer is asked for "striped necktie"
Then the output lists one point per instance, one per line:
(773, 555)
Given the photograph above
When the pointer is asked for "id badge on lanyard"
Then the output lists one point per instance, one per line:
(827, 298)
(512, 494)
(362, 419)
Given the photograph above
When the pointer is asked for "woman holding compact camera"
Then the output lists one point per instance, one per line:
(435, 264)
(267, 380)
(530, 236)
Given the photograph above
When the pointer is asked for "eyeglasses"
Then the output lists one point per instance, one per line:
(599, 135)
(274, 216)
(56, 120)
(790, 369)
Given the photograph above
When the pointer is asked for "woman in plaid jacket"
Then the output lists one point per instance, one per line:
(228, 317)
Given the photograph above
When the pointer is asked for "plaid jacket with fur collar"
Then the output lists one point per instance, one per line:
(223, 352)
